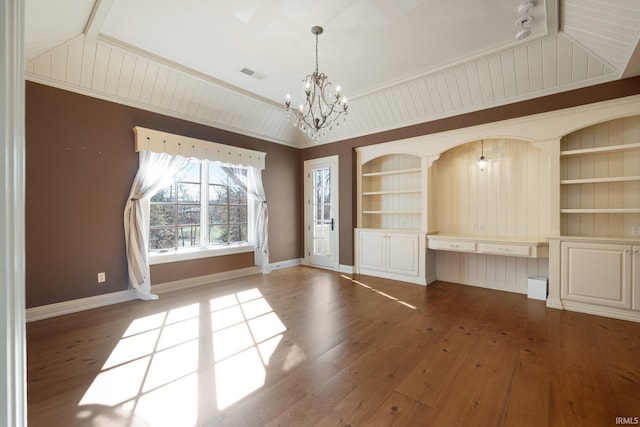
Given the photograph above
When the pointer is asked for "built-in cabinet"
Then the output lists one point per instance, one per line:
(391, 254)
(390, 238)
(597, 255)
(559, 198)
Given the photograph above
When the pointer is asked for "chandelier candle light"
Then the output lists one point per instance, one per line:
(321, 109)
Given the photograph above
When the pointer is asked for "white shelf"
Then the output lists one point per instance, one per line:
(600, 211)
(392, 172)
(601, 150)
(389, 192)
(599, 180)
(391, 212)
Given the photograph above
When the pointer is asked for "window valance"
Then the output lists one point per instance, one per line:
(178, 145)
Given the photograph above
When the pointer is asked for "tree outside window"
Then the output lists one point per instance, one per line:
(176, 220)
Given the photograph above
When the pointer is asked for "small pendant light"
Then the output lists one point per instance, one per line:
(482, 162)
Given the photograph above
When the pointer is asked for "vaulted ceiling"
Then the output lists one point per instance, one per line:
(399, 62)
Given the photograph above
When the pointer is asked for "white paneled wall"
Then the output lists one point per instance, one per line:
(503, 273)
(509, 200)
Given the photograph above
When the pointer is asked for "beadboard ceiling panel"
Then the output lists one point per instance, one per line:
(515, 75)
(99, 69)
(399, 63)
(609, 28)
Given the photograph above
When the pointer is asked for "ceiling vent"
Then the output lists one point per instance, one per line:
(249, 72)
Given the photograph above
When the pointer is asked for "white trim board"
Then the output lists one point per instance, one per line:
(286, 264)
(347, 269)
(74, 306)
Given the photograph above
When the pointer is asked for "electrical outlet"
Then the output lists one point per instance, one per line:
(635, 230)
(102, 277)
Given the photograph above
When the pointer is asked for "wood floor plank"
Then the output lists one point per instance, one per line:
(478, 391)
(397, 410)
(431, 377)
(305, 347)
(528, 399)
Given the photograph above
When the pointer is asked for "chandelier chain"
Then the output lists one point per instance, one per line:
(316, 54)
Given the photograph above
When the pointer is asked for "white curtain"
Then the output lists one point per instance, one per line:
(156, 170)
(253, 186)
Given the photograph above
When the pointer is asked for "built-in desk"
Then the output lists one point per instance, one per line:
(490, 246)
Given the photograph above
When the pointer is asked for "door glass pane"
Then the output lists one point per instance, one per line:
(321, 227)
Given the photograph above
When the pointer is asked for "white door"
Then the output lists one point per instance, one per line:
(321, 212)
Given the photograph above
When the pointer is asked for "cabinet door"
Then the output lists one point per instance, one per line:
(371, 251)
(403, 254)
(597, 273)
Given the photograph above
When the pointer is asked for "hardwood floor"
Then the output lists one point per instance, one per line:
(308, 347)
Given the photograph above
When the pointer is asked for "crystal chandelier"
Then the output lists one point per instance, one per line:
(322, 109)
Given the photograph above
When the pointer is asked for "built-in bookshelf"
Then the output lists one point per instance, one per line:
(600, 180)
(391, 192)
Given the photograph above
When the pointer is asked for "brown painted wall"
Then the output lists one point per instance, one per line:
(162, 273)
(80, 162)
(345, 149)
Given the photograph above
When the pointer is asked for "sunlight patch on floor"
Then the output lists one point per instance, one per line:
(391, 297)
(246, 333)
(151, 374)
(154, 373)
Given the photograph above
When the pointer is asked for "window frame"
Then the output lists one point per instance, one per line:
(205, 249)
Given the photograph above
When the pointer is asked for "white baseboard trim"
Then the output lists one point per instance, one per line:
(554, 303)
(177, 285)
(73, 306)
(285, 264)
(616, 313)
(399, 277)
(347, 269)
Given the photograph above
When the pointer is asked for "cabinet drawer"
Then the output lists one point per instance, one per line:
(501, 249)
(452, 245)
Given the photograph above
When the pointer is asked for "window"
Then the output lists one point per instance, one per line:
(189, 215)
(227, 207)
